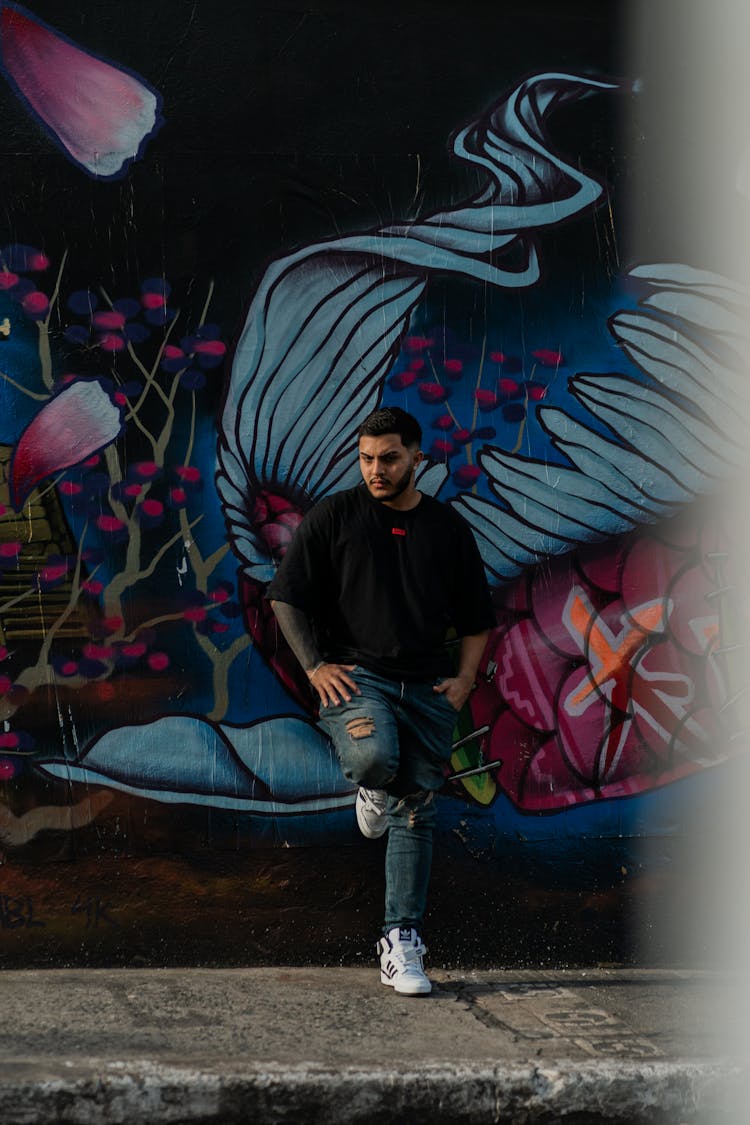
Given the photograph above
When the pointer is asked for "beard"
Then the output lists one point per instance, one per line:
(397, 488)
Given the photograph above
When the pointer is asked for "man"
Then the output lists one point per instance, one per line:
(373, 579)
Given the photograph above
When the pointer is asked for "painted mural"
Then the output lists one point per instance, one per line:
(163, 430)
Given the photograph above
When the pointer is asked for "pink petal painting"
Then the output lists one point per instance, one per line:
(100, 114)
(72, 426)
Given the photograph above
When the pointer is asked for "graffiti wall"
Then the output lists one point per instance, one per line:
(229, 232)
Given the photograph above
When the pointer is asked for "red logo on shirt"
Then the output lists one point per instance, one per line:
(398, 531)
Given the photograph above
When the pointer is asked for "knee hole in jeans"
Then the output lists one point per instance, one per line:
(362, 727)
(416, 806)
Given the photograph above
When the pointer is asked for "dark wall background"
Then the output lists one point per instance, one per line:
(287, 123)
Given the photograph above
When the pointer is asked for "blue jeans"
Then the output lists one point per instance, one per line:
(397, 737)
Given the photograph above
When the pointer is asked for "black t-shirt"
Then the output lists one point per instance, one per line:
(382, 587)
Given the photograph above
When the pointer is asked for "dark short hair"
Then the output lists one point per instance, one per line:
(392, 420)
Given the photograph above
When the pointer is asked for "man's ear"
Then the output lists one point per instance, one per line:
(418, 456)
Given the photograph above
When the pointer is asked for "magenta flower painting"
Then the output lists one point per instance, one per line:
(100, 114)
(74, 424)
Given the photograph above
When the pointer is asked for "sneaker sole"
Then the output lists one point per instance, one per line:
(368, 833)
(418, 989)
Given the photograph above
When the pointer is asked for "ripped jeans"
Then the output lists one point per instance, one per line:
(397, 736)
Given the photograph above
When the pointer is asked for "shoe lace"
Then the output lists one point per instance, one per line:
(409, 955)
(372, 801)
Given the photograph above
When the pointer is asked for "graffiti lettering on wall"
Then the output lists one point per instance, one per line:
(20, 913)
(140, 523)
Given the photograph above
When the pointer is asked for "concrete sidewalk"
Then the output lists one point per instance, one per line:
(333, 1045)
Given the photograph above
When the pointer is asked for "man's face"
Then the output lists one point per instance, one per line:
(387, 467)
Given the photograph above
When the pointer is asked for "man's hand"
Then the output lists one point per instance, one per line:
(332, 683)
(456, 690)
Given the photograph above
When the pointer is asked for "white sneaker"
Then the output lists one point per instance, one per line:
(370, 807)
(401, 965)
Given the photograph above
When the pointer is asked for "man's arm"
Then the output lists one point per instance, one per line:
(457, 689)
(329, 680)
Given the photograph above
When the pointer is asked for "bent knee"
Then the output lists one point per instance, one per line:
(368, 759)
(361, 727)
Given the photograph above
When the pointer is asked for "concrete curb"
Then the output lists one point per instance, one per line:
(141, 1092)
